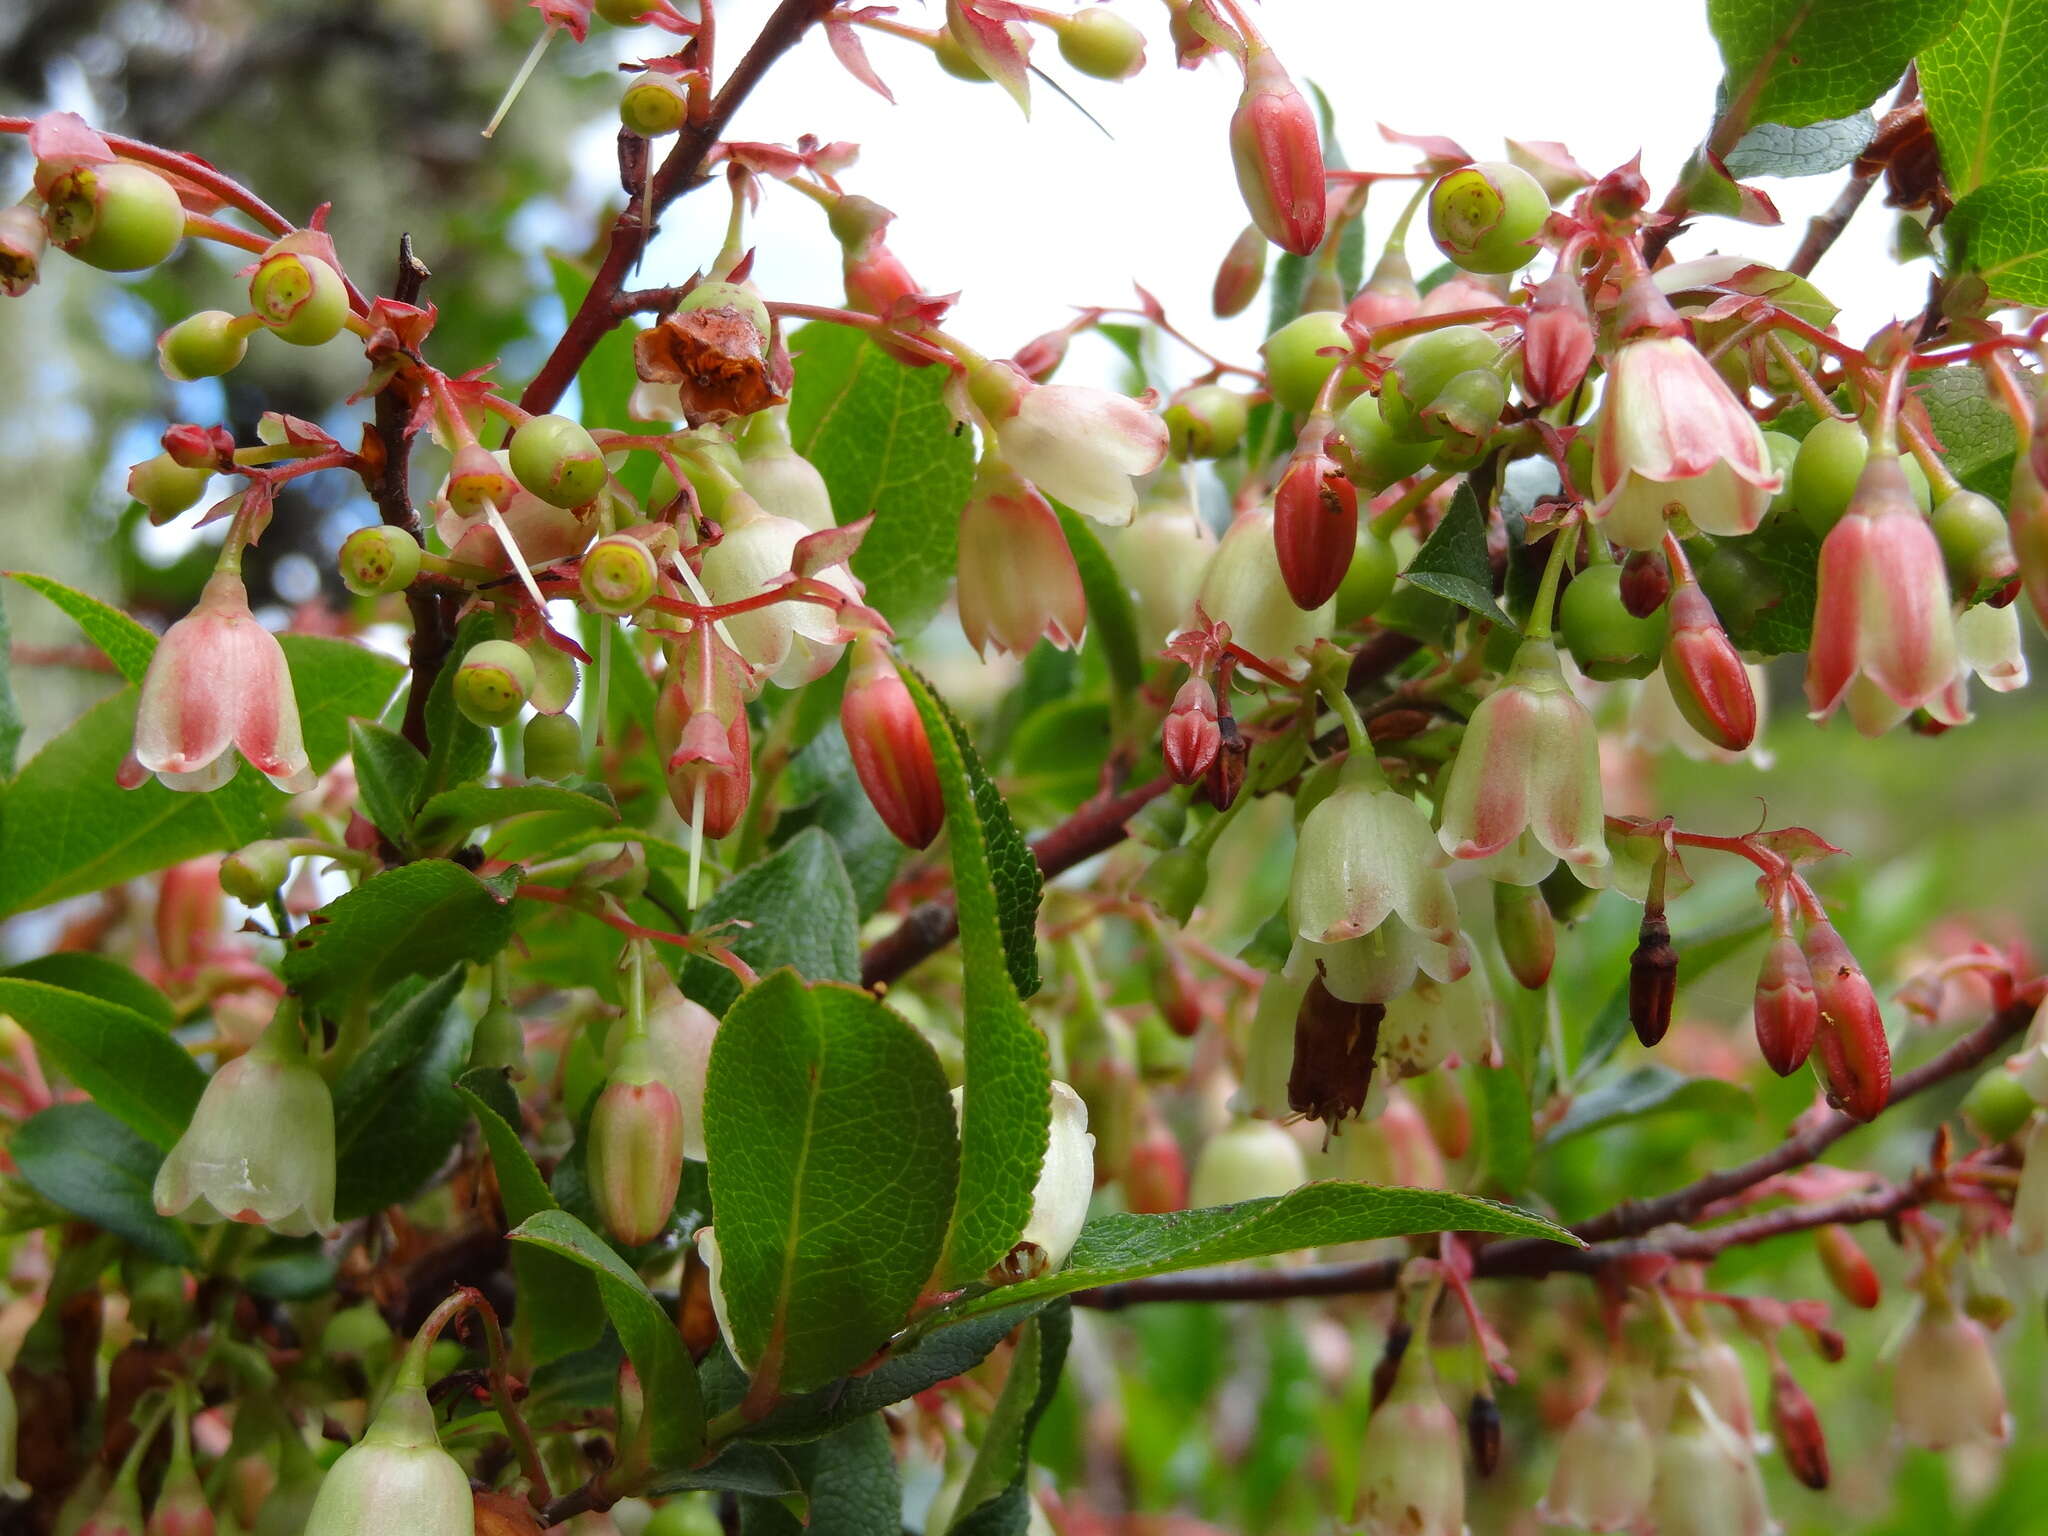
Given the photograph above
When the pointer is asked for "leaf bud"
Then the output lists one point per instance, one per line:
(1099, 42)
(1206, 421)
(1652, 979)
(1486, 217)
(617, 576)
(378, 560)
(117, 216)
(1191, 736)
(557, 460)
(298, 295)
(1239, 277)
(493, 682)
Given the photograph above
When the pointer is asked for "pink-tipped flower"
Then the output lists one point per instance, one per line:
(1853, 1055)
(1411, 1468)
(1238, 278)
(218, 681)
(1530, 762)
(635, 1149)
(397, 1477)
(1557, 344)
(1672, 436)
(1708, 680)
(1786, 1008)
(1018, 580)
(1315, 524)
(1078, 445)
(1191, 737)
(892, 755)
(704, 751)
(1946, 1390)
(1884, 639)
(1279, 155)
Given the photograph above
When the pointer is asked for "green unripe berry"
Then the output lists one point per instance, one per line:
(1784, 451)
(166, 487)
(253, 873)
(716, 293)
(552, 747)
(1997, 1106)
(653, 104)
(202, 346)
(1099, 42)
(1297, 365)
(689, 1515)
(1830, 462)
(956, 60)
(618, 575)
(1372, 456)
(1463, 415)
(300, 297)
(553, 457)
(379, 559)
(118, 217)
(1605, 639)
(1206, 422)
(1369, 581)
(1486, 217)
(1425, 366)
(493, 682)
(1976, 544)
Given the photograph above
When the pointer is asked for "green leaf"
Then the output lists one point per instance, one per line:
(1006, 1116)
(397, 1113)
(1319, 1215)
(303, 1274)
(1772, 149)
(668, 1381)
(1986, 89)
(1509, 1140)
(1976, 436)
(802, 913)
(606, 379)
(416, 920)
(458, 749)
(389, 773)
(1787, 550)
(751, 1471)
(1651, 1089)
(132, 1069)
(851, 1483)
(995, 1501)
(1112, 622)
(81, 1158)
(833, 1160)
(1799, 62)
(824, 792)
(335, 681)
(882, 435)
(124, 642)
(97, 976)
(444, 820)
(558, 1302)
(2000, 231)
(10, 708)
(1453, 563)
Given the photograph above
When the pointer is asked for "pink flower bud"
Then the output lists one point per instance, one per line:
(1786, 1009)
(1530, 761)
(891, 753)
(1315, 527)
(1191, 737)
(1155, 1173)
(1672, 437)
(1080, 446)
(1411, 1473)
(1854, 1057)
(1605, 1466)
(1242, 271)
(22, 243)
(1558, 341)
(1848, 1267)
(1884, 639)
(396, 1478)
(635, 1148)
(1946, 1390)
(1279, 156)
(1706, 675)
(1018, 580)
(219, 680)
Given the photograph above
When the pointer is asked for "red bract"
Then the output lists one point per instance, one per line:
(1315, 528)
(1279, 156)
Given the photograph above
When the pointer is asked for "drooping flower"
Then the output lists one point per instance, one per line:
(1411, 1475)
(1078, 445)
(1946, 1389)
(396, 1478)
(1018, 580)
(219, 680)
(1672, 438)
(635, 1146)
(1605, 1465)
(794, 642)
(1059, 1200)
(1707, 1480)
(680, 1032)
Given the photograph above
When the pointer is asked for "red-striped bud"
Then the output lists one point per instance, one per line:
(1243, 270)
(1708, 680)
(1798, 1430)
(1848, 1267)
(891, 753)
(1787, 1009)
(1558, 343)
(1854, 1058)
(1389, 295)
(1279, 156)
(1191, 737)
(1315, 526)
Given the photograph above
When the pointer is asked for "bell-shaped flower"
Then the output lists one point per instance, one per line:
(794, 642)
(1411, 1468)
(1605, 1466)
(1946, 1389)
(1707, 1480)
(1988, 641)
(1530, 761)
(1018, 580)
(1162, 557)
(1244, 588)
(680, 1033)
(260, 1147)
(1435, 1022)
(1247, 1160)
(1672, 437)
(1884, 639)
(396, 1478)
(219, 681)
(1059, 1200)
(1080, 446)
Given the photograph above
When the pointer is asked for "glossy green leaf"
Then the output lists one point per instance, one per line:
(1790, 555)
(10, 707)
(850, 1481)
(824, 792)
(1509, 1140)
(130, 1066)
(1976, 436)
(668, 1381)
(124, 642)
(415, 920)
(1007, 1111)
(1986, 88)
(802, 914)
(1453, 564)
(833, 1161)
(751, 1471)
(606, 379)
(1798, 62)
(444, 820)
(882, 435)
(1650, 1089)
(1319, 1215)
(389, 773)
(1772, 149)
(2000, 232)
(81, 1158)
(397, 1113)
(1112, 621)
(99, 976)
(995, 1500)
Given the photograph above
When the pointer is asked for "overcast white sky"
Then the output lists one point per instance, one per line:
(1029, 218)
